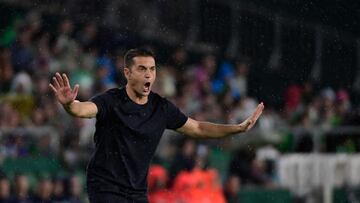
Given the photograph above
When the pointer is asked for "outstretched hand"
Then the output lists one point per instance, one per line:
(250, 122)
(61, 87)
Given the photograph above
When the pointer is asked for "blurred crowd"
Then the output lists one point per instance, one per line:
(58, 189)
(207, 88)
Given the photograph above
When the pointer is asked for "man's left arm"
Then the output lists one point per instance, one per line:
(200, 129)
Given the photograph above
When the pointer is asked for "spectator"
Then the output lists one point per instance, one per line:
(38, 117)
(238, 83)
(5, 196)
(158, 191)
(185, 159)
(232, 188)
(198, 185)
(75, 190)
(204, 74)
(292, 99)
(250, 170)
(59, 195)
(65, 49)
(44, 146)
(6, 70)
(167, 86)
(21, 189)
(22, 56)
(87, 37)
(44, 191)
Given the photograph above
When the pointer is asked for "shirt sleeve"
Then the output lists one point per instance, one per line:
(174, 117)
(102, 103)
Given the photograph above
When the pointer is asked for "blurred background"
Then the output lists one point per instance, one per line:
(216, 61)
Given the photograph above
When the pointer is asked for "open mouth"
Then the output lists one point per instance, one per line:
(147, 86)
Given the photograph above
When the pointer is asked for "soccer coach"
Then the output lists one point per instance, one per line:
(130, 121)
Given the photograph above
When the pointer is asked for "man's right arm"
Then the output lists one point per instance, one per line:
(79, 109)
(66, 96)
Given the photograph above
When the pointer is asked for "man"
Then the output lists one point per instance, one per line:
(5, 196)
(129, 125)
(21, 189)
(44, 191)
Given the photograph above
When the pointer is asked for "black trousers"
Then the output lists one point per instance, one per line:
(108, 197)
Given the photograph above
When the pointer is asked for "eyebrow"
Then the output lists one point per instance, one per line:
(142, 66)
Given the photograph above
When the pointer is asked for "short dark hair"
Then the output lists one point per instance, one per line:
(132, 53)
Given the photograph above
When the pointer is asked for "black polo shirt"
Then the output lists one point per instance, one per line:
(126, 138)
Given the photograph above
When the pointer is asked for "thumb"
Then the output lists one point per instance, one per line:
(246, 124)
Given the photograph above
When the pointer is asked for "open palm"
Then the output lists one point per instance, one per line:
(251, 120)
(61, 88)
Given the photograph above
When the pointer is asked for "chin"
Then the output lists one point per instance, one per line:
(146, 93)
(143, 94)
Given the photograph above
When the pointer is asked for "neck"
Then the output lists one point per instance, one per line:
(137, 98)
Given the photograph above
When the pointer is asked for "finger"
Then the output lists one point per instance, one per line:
(56, 83)
(258, 111)
(75, 90)
(59, 79)
(261, 110)
(53, 88)
(66, 80)
(257, 115)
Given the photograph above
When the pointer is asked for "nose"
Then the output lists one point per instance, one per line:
(147, 74)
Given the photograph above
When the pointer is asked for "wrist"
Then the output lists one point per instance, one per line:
(241, 128)
(70, 108)
(69, 104)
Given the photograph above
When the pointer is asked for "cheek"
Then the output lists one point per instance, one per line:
(134, 78)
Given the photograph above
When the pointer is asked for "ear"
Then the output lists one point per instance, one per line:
(127, 73)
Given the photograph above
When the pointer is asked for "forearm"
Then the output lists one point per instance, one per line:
(81, 109)
(199, 129)
(212, 130)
